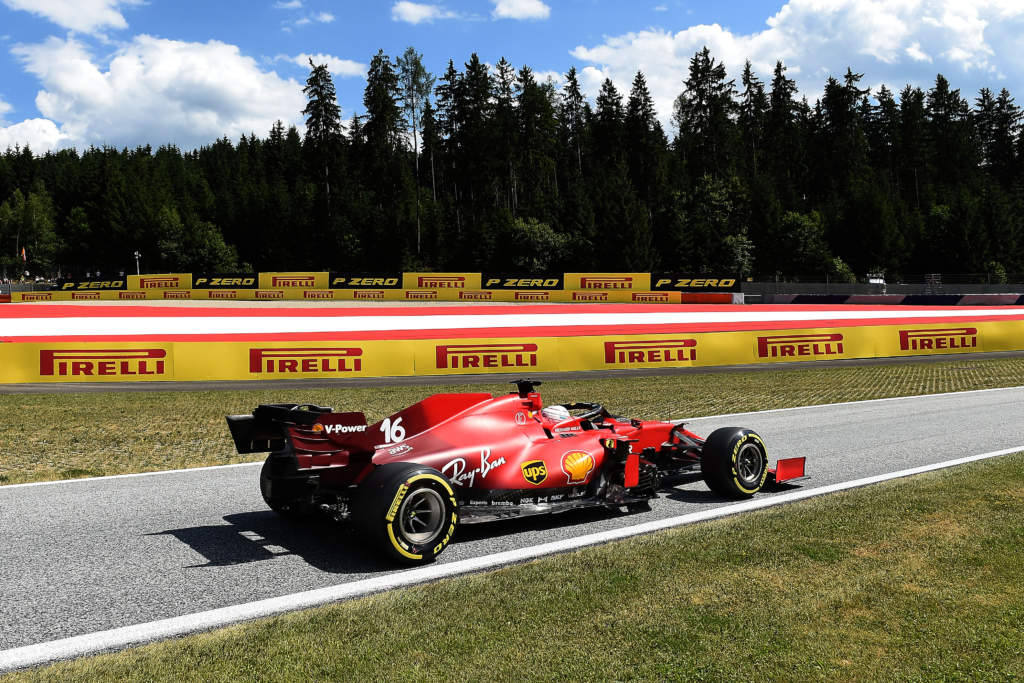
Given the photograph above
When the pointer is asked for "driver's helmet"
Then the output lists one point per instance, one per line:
(555, 413)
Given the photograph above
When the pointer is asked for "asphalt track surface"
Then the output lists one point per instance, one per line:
(91, 555)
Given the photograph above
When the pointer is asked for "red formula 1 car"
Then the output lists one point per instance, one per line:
(408, 481)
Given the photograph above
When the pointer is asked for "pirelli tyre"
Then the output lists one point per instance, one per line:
(280, 495)
(409, 511)
(734, 462)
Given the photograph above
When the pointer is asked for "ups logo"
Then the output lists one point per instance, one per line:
(535, 472)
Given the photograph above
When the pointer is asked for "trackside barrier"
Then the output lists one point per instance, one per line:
(143, 360)
(898, 299)
(438, 294)
(299, 285)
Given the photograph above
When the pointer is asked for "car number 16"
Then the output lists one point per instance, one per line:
(393, 431)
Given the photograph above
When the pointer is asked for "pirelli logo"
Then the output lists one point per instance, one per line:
(478, 356)
(939, 339)
(86, 296)
(222, 293)
(532, 296)
(652, 297)
(266, 294)
(102, 362)
(417, 295)
(476, 296)
(305, 360)
(292, 281)
(159, 282)
(38, 296)
(606, 283)
(441, 281)
(371, 294)
(318, 294)
(125, 296)
(800, 345)
(645, 352)
(178, 294)
(590, 296)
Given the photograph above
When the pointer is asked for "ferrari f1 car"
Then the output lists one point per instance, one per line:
(409, 481)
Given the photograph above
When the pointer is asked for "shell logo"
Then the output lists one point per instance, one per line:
(577, 465)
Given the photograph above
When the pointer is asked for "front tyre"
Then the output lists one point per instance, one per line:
(734, 462)
(408, 510)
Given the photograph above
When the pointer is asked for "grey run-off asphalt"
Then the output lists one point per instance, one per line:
(91, 555)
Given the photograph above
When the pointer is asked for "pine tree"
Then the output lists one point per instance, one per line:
(1006, 127)
(784, 142)
(537, 135)
(645, 153)
(753, 112)
(506, 131)
(382, 129)
(323, 122)
(950, 133)
(573, 117)
(702, 113)
(608, 121)
(415, 86)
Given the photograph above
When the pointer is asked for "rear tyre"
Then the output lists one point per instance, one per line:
(409, 511)
(734, 462)
(288, 507)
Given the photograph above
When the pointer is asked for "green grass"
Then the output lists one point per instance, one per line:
(917, 579)
(59, 436)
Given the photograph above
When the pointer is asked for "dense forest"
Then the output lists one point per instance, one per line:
(486, 168)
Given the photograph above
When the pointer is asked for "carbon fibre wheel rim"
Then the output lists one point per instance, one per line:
(749, 464)
(421, 516)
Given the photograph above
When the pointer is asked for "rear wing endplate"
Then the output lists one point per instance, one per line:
(265, 429)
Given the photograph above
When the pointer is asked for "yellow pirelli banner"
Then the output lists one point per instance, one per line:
(441, 281)
(608, 281)
(165, 281)
(233, 360)
(293, 280)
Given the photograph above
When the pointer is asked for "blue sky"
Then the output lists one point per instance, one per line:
(134, 72)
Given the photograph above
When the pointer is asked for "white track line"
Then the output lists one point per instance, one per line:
(687, 420)
(126, 476)
(71, 327)
(848, 403)
(77, 646)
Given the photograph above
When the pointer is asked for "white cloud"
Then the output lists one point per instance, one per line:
(154, 91)
(974, 42)
(416, 13)
(555, 77)
(325, 17)
(86, 16)
(4, 108)
(290, 4)
(41, 135)
(914, 52)
(660, 8)
(520, 9)
(344, 68)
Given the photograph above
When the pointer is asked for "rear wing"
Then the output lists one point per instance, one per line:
(265, 430)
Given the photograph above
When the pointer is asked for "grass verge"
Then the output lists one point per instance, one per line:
(59, 436)
(890, 582)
